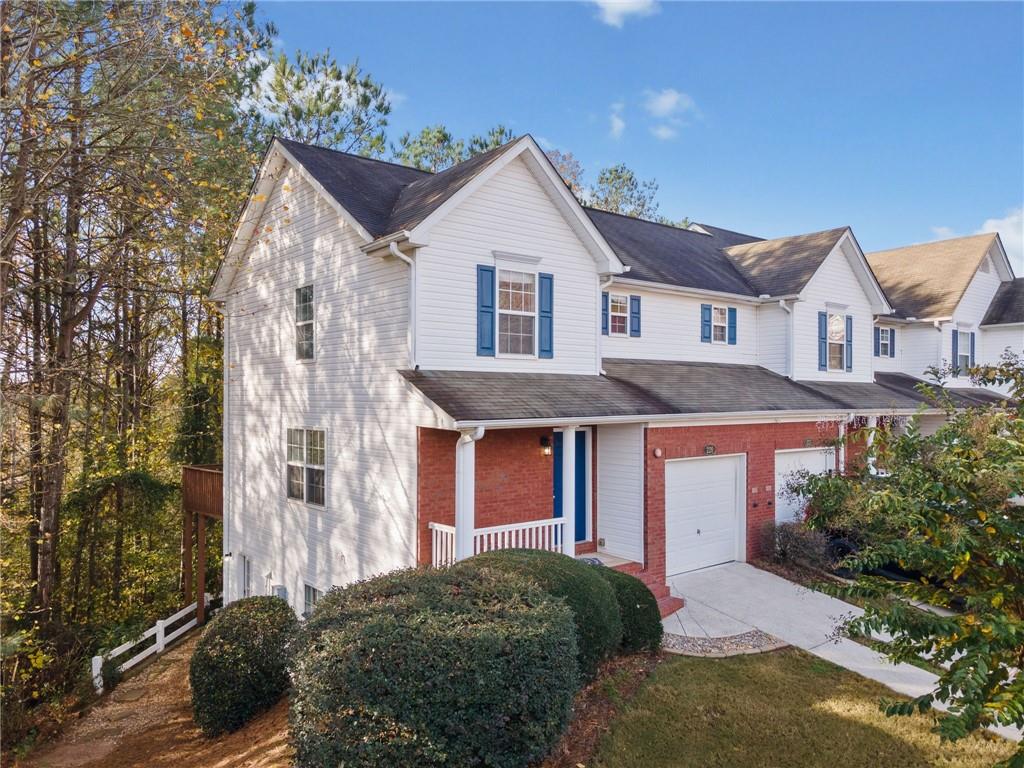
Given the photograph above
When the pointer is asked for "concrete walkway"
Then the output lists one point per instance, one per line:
(734, 598)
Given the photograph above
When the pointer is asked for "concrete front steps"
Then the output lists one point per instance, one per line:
(667, 603)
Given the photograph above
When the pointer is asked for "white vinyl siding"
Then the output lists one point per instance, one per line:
(899, 337)
(620, 499)
(354, 393)
(510, 214)
(773, 338)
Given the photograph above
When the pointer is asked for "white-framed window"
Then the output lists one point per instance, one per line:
(836, 342)
(246, 576)
(307, 449)
(304, 333)
(618, 314)
(719, 325)
(517, 312)
(884, 342)
(310, 597)
(963, 351)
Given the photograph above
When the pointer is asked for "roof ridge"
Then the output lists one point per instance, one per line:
(355, 156)
(787, 237)
(931, 243)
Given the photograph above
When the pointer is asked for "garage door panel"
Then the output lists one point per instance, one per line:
(702, 514)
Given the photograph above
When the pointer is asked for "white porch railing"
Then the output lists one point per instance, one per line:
(161, 638)
(548, 534)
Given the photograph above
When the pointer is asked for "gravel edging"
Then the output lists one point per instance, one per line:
(754, 641)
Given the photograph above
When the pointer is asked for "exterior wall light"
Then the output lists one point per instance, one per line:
(545, 445)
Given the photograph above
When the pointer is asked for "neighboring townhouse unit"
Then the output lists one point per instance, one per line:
(419, 367)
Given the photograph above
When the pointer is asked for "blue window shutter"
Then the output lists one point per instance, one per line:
(705, 323)
(849, 343)
(485, 310)
(634, 315)
(878, 341)
(822, 341)
(972, 349)
(604, 313)
(956, 353)
(892, 342)
(546, 316)
(732, 325)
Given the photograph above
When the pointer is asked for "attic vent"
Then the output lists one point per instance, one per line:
(698, 229)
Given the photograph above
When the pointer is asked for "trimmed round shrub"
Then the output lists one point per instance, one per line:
(591, 599)
(468, 666)
(239, 667)
(638, 609)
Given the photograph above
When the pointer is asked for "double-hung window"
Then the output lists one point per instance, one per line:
(836, 342)
(306, 465)
(246, 576)
(311, 596)
(517, 312)
(963, 351)
(719, 325)
(618, 314)
(304, 323)
(884, 342)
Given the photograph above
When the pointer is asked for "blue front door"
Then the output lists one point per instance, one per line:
(581, 482)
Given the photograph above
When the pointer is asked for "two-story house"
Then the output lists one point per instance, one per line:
(419, 367)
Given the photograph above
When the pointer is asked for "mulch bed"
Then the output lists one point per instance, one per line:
(617, 682)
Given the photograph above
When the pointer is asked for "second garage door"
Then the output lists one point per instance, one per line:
(817, 461)
(702, 512)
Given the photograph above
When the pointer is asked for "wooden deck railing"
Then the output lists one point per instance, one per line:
(202, 489)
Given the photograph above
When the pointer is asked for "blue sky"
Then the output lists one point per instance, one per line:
(905, 121)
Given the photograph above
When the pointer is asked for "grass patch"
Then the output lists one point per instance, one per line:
(786, 708)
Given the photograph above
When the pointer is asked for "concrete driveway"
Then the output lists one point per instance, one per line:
(734, 598)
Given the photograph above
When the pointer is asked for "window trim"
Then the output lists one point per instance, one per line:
(724, 326)
(498, 311)
(304, 465)
(307, 609)
(829, 343)
(296, 323)
(624, 314)
(246, 576)
(963, 350)
(884, 342)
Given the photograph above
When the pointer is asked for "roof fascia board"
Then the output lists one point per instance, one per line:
(696, 292)
(1003, 262)
(854, 255)
(1002, 325)
(571, 208)
(338, 207)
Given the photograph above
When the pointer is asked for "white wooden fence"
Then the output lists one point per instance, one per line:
(161, 639)
(536, 534)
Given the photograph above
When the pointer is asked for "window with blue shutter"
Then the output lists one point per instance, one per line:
(732, 325)
(634, 315)
(485, 293)
(705, 323)
(849, 343)
(545, 316)
(972, 349)
(878, 341)
(822, 341)
(604, 313)
(892, 342)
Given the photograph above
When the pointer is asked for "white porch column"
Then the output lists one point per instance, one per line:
(872, 426)
(569, 491)
(465, 491)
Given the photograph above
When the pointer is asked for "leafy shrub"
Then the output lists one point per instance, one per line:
(796, 543)
(638, 609)
(239, 666)
(591, 599)
(463, 666)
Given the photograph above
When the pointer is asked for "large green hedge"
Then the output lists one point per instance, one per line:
(465, 666)
(638, 609)
(239, 666)
(592, 600)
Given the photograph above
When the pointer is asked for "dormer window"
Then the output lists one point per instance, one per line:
(836, 342)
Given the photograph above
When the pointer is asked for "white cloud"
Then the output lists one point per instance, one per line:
(617, 124)
(1011, 232)
(664, 132)
(395, 98)
(943, 233)
(615, 12)
(545, 143)
(668, 102)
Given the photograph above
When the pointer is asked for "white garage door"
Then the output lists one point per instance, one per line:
(702, 512)
(815, 460)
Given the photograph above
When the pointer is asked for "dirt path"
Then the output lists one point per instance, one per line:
(147, 721)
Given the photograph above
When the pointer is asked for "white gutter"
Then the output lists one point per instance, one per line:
(384, 242)
(411, 334)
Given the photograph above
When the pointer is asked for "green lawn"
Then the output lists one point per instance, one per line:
(785, 709)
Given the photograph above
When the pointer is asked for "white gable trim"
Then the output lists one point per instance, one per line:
(567, 204)
(850, 249)
(247, 227)
(1001, 261)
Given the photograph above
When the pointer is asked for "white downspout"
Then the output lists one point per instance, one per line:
(411, 334)
(465, 492)
(790, 344)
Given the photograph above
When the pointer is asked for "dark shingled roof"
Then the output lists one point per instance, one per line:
(660, 253)
(783, 266)
(1007, 305)
(897, 391)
